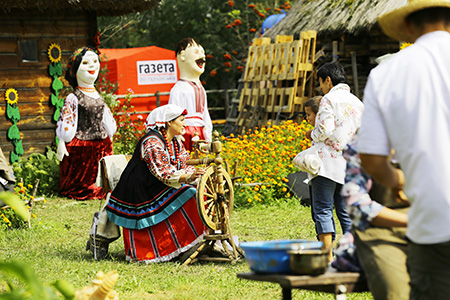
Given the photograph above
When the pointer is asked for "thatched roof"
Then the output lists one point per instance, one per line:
(332, 16)
(101, 7)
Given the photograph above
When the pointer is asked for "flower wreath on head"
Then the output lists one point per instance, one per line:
(74, 57)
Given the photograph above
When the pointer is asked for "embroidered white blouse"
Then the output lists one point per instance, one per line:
(185, 95)
(66, 127)
(337, 120)
(158, 160)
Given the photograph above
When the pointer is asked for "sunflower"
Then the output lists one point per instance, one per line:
(11, 96)
(54, 53)
(404, 45)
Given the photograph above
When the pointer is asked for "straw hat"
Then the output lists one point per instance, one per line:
(393, 23)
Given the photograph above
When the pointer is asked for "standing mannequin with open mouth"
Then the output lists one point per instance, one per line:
(189, 93)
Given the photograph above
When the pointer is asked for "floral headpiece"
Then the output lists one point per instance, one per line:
(74, 64)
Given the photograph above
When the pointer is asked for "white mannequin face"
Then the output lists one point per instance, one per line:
(88, 71)
(192, 61)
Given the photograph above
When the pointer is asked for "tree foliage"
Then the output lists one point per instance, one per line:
(224, 28)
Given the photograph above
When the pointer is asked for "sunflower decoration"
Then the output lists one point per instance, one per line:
(12, 112)
(55, 71)
(54, 53)
(11, 96)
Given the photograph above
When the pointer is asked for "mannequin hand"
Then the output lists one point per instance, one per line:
(61, 151)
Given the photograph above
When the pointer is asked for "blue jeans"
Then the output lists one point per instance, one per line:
(326, 192)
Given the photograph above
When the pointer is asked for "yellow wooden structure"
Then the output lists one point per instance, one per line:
(278, 78)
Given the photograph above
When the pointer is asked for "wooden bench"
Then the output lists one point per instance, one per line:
(337, 283)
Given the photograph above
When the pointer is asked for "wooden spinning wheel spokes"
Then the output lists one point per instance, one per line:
(211, 203)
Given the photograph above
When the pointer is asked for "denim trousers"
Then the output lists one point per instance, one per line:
(325, 193)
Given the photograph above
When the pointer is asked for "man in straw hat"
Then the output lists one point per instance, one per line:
(407, 108)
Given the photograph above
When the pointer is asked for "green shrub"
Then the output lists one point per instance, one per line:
(42, 167)
(129, 129)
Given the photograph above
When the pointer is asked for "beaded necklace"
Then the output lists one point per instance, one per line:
(87, 89)
(173, 157)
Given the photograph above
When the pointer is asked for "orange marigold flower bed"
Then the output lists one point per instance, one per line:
(263, 157)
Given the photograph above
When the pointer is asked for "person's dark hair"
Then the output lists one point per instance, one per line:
(184, 43)
(74, 64)
(429, 16)
(334, 70)
(313, 103)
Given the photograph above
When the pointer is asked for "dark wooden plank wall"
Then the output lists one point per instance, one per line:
(367, 47)
(31, 79)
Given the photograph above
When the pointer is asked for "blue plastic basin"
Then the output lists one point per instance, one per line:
(272, 256)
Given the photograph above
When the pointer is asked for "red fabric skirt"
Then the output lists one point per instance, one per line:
(167, 239)
(189, 133)
(78, 171)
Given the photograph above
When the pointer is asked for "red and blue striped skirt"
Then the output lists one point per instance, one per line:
(167, 239)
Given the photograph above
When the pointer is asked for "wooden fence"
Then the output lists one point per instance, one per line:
(278, 78)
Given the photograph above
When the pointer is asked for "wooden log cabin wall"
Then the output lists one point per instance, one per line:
(27, 29)
(357, 53)
(25, 37)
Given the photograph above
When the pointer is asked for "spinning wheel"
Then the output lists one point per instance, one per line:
(208, 198)
(215, 198)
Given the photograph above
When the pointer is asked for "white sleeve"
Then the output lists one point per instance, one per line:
(175, 96)
(108, 121)
(66, 127)
(184, 97)
(325, 121)
(207, 130)
(373, 136)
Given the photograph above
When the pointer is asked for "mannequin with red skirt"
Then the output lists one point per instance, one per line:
(84, 129)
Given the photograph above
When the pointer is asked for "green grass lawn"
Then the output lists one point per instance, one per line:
(55, 248)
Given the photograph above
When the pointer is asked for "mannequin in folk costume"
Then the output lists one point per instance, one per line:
(84, 129)
(189, 93)
(153, 200)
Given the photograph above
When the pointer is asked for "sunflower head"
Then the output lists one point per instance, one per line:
(404, 45)
(54, 53)
(11, 96)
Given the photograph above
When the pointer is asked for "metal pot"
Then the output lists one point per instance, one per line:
(308, 261)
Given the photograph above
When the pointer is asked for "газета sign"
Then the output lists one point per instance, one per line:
(157, 71)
